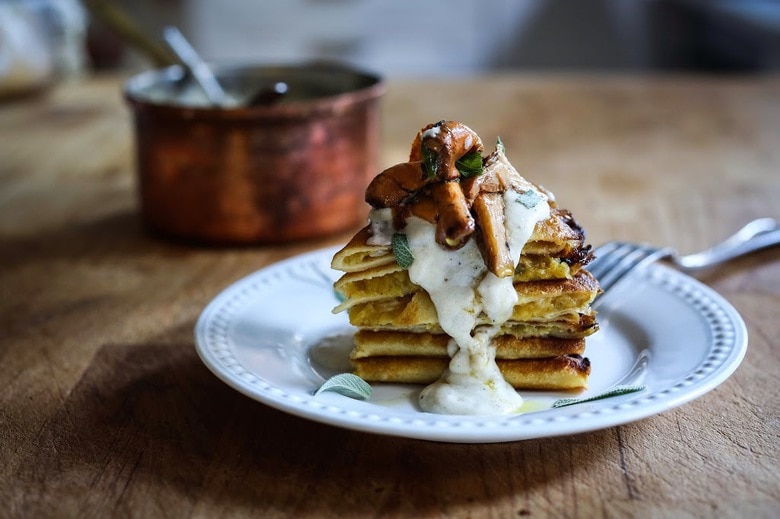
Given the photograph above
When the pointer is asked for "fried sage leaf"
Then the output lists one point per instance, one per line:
(470, 165)
(529, 198)
(500, 146)
(430, 160)
(403, 254)
(346, 384)
(615, 391)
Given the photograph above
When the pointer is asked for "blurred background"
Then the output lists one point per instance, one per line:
(41, 38)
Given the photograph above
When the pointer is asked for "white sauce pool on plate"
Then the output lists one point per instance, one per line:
(461, 287)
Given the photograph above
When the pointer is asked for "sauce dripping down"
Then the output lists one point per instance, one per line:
(473, 298)
(461, 288)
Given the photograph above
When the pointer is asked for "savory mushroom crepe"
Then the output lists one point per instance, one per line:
(468, 277)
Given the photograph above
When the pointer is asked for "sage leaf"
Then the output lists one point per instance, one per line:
(529, 199)
(346, 384)
(470, 165)
(403, 254)
(500, 146)
(430, 162)
(615, 391)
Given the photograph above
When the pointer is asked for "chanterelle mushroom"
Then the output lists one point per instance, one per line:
(446, 170)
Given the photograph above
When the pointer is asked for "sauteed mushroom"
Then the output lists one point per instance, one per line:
(432, 187)
(445, 143)
(489, 210)
(454, 224)
(396, 184)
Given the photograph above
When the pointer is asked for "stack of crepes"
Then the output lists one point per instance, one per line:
(399, 337)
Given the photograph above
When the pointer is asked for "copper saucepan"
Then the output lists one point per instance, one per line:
(294, 166)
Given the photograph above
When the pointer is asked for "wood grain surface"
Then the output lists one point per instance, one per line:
(106, 411)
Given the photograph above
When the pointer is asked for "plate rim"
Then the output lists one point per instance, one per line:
(596, 415)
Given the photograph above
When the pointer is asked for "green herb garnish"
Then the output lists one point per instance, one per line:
(500, 146)
(529, 198)
(615, 391)
(403, 254)
(346, 384)
(470, 165)
(430, 162)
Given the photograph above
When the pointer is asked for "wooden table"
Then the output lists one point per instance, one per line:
(105, 409)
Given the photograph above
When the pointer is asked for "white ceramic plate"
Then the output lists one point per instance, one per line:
(272, 336)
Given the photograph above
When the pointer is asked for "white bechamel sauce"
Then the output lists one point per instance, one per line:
(381, 227)
(431, 132)
(461, 288)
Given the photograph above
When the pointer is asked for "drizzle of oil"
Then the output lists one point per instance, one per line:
(532, 406)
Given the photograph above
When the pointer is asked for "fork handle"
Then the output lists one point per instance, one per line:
(756, 235)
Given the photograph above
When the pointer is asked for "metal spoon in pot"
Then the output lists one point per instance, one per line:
(200, 71)
(206, 79)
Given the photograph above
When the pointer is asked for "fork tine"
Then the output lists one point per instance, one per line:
(640, 256)
(601, 253)
(600, 257)
(607, 256)
(630, 257)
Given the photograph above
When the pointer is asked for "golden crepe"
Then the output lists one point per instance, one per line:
(537, 340)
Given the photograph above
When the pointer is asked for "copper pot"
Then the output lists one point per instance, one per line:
(293, 169)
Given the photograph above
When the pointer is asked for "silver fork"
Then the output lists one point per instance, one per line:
(615, 260)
